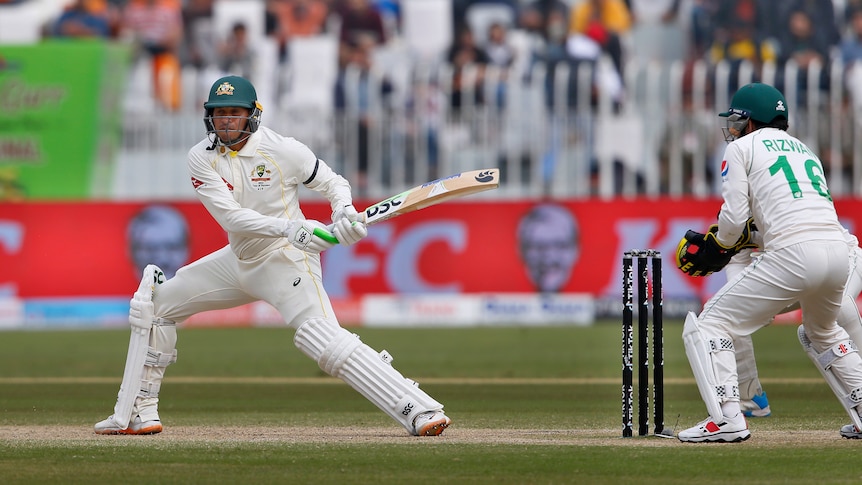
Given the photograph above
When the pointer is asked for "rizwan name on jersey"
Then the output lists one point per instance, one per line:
(782, 145)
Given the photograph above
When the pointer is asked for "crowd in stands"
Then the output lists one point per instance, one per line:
(176, 33)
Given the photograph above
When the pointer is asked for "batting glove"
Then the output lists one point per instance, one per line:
(310, 236)
(347, 212)
(348, 232)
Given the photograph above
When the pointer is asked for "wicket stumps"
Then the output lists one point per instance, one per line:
(643, 292)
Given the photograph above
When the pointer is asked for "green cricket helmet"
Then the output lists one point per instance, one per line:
(757, 101)
(228, 92)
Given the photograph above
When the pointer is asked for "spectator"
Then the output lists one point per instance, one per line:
(199, 40)
(501, 55)
(156, 28)
(760, 14)
(851, 46)
(480, 14)
(658, 31)
(236, 56)
(802, 45)
(604, 22)
(390, 11)
(821, 14)
(426, 107)
(299, 18)
(851, 56)
(355, 101)
(800, 41)
(738, 37)
(462, 55)
(546, 21)
(86, 18)
(361, 27)
(500, 52)
(702, 33)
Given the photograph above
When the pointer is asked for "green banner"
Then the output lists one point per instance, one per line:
(60, 125)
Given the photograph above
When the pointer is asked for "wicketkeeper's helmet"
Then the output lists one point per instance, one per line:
(757, 101)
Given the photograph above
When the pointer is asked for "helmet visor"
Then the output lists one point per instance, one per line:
(735, 124)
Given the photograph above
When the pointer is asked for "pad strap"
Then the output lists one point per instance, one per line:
(827, 358)
(721, 344)
(160, 359)
(727, 392)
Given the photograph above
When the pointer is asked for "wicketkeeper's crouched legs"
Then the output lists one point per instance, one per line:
(342, 354)
(713, 364)
(152, 347)
(837, 364)
(752, 398)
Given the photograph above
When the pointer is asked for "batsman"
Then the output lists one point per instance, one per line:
(774, 182)
(248, 177)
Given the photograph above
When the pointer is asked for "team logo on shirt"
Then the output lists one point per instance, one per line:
(260, 177)
(724, 169)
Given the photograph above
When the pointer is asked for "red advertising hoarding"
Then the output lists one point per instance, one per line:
(86, 250)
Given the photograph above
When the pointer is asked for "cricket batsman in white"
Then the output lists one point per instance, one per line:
(248, 178)
(774, 181)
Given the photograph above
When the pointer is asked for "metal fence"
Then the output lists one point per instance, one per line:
(564, 131)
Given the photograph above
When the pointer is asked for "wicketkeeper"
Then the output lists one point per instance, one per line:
(248, 178)
(752, 397)
(776, 182)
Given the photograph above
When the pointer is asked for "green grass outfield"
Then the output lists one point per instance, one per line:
(529, 406)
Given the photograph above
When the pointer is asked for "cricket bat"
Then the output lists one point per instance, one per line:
(426, 195)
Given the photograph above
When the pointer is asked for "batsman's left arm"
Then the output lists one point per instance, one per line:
(320, 178)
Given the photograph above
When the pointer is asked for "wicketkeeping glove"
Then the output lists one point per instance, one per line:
(701, 254)
(746, 240)
(310, 236)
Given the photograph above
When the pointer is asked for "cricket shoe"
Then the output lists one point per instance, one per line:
(137, 426)
(757, 407)
(431, 423)
(850, 432)
(731, 430)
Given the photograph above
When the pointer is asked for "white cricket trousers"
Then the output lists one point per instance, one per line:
(288, 279)
(812, 273)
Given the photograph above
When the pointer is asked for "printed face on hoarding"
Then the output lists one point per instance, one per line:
(548, 241)
(158, 235)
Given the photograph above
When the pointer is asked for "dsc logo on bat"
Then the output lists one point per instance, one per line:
(379, 210)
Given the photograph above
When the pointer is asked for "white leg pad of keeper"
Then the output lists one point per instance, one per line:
(702, 353)
(342, 354)
(827, 363)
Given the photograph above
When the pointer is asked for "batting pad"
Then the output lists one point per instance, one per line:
(161, 353)
(341, 354)
(840, 360)
(138, 344)
(141, 313)
(700, 353)
(850, 320)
